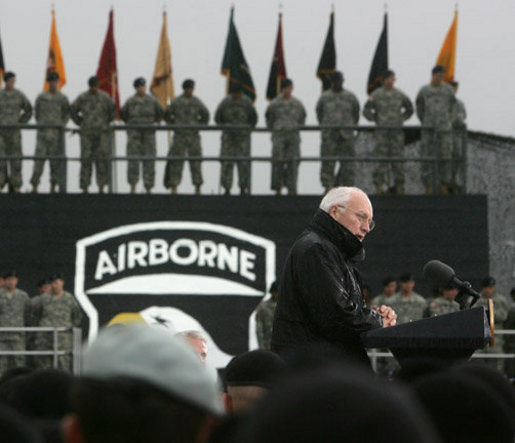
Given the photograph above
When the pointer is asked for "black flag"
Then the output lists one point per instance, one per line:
(380, 61)
(327, 64)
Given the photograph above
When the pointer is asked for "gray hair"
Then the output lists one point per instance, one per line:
(338, 196)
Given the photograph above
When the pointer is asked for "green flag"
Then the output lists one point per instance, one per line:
(327, 64)
(234, 65)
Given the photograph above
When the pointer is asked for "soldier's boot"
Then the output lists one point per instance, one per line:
(429, 190)
(197, 190)
(227, 191)
(148, 190)
(244, 191)
(133, 189)
(277, 192)
(444, 189)
(292, 192)
(399, 189)
(34, 189)
(174, 189)
(84, 190)
(53, 188)
(16, 189)
(101, 189)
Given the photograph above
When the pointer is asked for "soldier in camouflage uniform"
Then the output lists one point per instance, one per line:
(337, 106)
(265, 318)
(15, 311)
(389, 288)
(55, 308)
(93, 110)
(14, 108)
(501, 308)
(444, 304)
(52, 107)
(459, 128)
(388, 106)
(185, 110)
(435, 103)
(236, 109)
(407, 304)
(142, 109)
(509, 340)
(283, 116)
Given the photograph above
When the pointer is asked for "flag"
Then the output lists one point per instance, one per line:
(234, 65)
(162, 82)
(380, 60)
(2, 64)
(447, 56)
(55, 61)
(107, 71)
(278, 68)
(327, 64)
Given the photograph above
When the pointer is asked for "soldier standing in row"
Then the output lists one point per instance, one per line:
(265, 317)
(55, 308)
(15, 311)
(52, 107)
(388, 106)
(185, 110)
(444, 304)
(283, 116)
(459, 127)
(337, 106)
(236, 109)
(14, 108)
(389, 288)
(407, 304)
(93, 110)
(143, 109)
(435, 103)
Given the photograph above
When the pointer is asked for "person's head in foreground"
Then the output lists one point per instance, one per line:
(141, 384)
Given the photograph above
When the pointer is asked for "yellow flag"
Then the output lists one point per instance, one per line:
(162, 82)
(447, 56)
(55, 62)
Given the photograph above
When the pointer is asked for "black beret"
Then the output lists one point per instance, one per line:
(254, 368)
(286, 82)
(438, 69)
(274, 287)
(488, 281)
(406, 277)
(235, 87)
(10, 274)
(337, 76)
(56, 276)
(52, 76)
(9, 75)
(140, 81)
(188, 83)
(388, 280)
(93, 81)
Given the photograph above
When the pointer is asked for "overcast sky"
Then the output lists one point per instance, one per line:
(198, 29)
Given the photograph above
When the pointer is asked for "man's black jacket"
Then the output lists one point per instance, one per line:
(320, 300)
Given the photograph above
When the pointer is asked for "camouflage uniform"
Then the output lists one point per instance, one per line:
(143, 110)
(440, 306)
(434, 108)
(15, 311)
(501, 309)
(14, 108)
(51, 311)
(337, 108)
(186, 111)
(388, 108)
(509, 343)
(264, 322)
(93, 111)
(407, 308)
(459, 115)
(51, 108)
(284, 116)
(236, 143)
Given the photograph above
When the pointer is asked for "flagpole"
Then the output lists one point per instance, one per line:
(114, 165)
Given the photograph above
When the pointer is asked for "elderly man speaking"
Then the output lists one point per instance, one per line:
(321, 303)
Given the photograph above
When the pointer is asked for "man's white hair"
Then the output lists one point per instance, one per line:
(339, 196)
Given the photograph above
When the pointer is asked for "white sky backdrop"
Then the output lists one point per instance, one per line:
(197, 32)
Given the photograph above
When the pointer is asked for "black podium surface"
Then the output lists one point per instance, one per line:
(451, 337)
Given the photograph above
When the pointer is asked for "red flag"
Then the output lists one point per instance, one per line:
(107, 71)
(278, 68)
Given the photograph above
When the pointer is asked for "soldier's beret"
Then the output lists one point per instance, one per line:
(337, 76)
(52, 76)
(274, 287)
(286, 82)
(93, 81)
(10, 274)
(44, 281)
(438, 69)
(140, 81)
(388, 280)
(9, 75)
(406, 277)
(254, 368)
(488, 281)
(56, 276)
(235, 87)
(188, 84)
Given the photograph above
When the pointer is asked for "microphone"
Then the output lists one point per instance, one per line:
(443, 275)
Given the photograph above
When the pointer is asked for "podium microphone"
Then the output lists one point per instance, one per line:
(442, 275)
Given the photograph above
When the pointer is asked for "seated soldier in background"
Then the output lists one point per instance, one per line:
(141, 384)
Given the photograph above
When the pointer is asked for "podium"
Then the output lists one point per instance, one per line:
(448, 338)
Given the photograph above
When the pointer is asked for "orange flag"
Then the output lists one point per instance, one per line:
(447, 56)
(55, 62)
(162, 82)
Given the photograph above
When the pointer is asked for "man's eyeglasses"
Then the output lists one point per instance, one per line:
(362, 217)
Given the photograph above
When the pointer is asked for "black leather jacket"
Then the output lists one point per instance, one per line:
(320, 299)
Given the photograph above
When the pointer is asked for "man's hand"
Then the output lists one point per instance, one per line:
(388, 314)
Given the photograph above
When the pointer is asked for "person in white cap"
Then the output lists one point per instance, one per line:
(140, 384)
